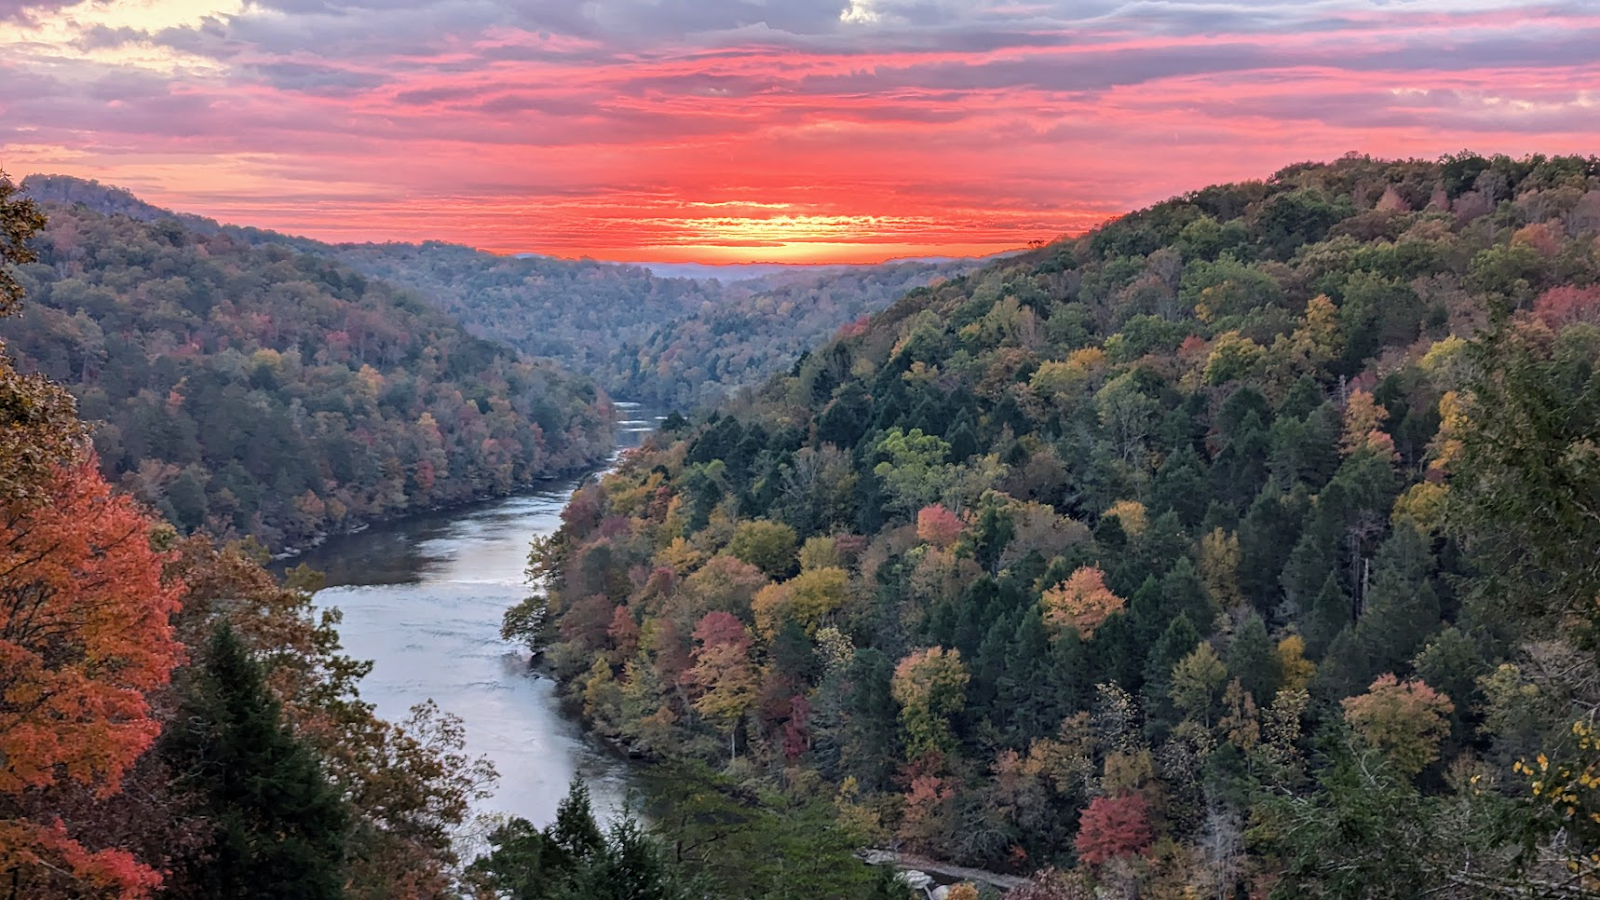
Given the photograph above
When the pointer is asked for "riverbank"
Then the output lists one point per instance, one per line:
(572, 474)
(422, 596)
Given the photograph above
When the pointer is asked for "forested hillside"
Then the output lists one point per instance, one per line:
(667, 341)
(579, 312)
(1245, 543)
(173, 721)
(255, 390)
(760, 328)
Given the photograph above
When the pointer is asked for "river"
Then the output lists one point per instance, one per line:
(423, 600)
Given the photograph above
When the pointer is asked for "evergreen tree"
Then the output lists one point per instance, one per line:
(1240, 469)
(572, 859)
(1181, 487)
(1402, 609)
(1312, 562)
(1346, 669)
(1070, 679)
(1184, 595)
(1304, 396)
(868, 747)
(1267, 534)
(574, 836)
(1329, 615)
(628, 865)
(1148, 611)
(1251, 659)
(1175, 643)
(278, 825)
(1023, 686)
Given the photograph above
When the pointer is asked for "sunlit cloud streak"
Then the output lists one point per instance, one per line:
(803, 130)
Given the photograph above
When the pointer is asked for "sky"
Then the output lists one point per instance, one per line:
(761, 130)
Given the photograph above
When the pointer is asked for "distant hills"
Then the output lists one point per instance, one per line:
(249, 388)
(731, 272)
(665, 333)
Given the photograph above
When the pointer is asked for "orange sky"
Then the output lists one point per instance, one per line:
(740, 130)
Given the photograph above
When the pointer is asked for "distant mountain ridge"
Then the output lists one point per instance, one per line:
(643, 331)
(735, 272)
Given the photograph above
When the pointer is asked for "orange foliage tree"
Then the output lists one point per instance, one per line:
(85, 636)
(723, 679)
(1112, 827)
(1405, 721)
(1363, 427)
(1082, 601)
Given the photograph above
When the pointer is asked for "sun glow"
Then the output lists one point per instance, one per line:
(874, 130)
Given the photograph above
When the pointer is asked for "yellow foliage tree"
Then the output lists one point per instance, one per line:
(1446, 447)
(930, 686)
(1292, 662)
(1421, 506)
(804, 599)
(1318, 339)
(1219, 566)
(1233, 356)
(1131, 513)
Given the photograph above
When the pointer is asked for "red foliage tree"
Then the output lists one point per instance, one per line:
(719, 628)
(938, 526)
(1112, 827)
(624, 634)
(85, 636)
(1564, 305)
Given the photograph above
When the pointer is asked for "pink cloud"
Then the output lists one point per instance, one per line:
(739, 141)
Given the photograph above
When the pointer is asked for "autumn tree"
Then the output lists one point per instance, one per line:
(1363, 426)
(408, 784)
(930, 686)
(938, 526)
(804, 600)
(1405, 721)
(85, 638)
(1196, 679)
(1082, 601)
(769, 546)
(1113, 826)
(722, 677)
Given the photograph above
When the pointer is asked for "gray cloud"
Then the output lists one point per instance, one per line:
(315, 78)
(29, 9)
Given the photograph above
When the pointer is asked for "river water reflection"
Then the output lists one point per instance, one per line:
(423, 600)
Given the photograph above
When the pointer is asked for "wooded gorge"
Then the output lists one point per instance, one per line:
(257, 391)
(663, 341)
(1245, 544)
(172, 718)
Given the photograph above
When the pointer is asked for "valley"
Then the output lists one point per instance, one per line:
(1242, 545)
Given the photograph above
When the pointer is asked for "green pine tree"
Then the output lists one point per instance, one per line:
(1251, 660)
(1329, 615)
(277, 825)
